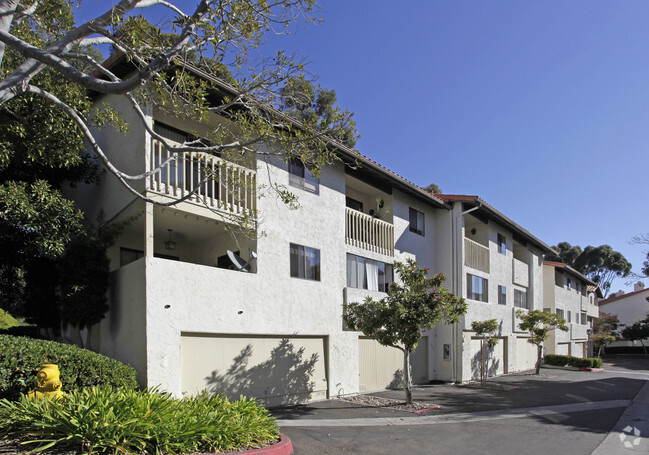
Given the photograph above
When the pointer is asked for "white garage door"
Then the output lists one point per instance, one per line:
(580, 350)
(496, 358)
(381, 367)
(525, 354)
(563, 348)
(276, 370)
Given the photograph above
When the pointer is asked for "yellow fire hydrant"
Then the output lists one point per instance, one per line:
(48, 384)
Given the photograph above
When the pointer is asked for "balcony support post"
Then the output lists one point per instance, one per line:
(148, 229)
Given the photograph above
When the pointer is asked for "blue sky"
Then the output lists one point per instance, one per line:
(540, 108)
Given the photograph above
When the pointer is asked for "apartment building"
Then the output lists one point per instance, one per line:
(572, 296)
(196, 303)
(496, 266)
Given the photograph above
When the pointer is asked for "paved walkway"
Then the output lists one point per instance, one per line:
(623, 389)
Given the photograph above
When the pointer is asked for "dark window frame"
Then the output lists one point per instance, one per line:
(417, 222)
(304, 270)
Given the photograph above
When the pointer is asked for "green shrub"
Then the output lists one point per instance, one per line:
(21, 358)
(555, 359)
(595, 362)
(7, 321)
(578, 362)
(100, 419)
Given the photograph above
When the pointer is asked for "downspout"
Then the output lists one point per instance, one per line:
(456, 283)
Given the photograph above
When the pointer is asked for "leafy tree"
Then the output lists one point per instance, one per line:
(416, 303)
(433, 188)
(601, 264)
(315, 106)
(219, 33)
(638, 331)
(49, 65)
(568, 254)
(601, 340)
(486, 330)
(605, 330)
(539, 324)
(606, 323)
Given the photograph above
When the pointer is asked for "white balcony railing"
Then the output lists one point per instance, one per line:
(369, 233)
(214, 182)
(476, 256)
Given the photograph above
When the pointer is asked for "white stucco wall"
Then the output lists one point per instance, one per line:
(629, 309)
(127, 152)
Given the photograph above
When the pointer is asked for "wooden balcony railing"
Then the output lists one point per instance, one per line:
(215, 183)
(369, 233)
(476, 256)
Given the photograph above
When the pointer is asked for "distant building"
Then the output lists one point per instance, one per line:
(629, 308)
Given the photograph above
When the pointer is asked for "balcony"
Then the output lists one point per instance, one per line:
(476, 255)
(369, 233)
(578, 332)
(204, 179)
(521, 274)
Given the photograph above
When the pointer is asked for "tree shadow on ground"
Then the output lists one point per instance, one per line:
(284, 378)
(491, 365)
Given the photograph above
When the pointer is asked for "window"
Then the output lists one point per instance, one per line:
(560, 313)
(305, 262)
(302, 178)
(363, 273)
(576, 317)
(502, 244)
(584, 319)
(568, 283)
(477, 288)
(570, 316)
(416, 221)
(502, 295)
(353, 204)
(520, 299)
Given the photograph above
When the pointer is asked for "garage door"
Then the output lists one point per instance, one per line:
(580, 350)
(381, 367)
(563, 348)
(525, 354)
(495, 357)
(276, 370)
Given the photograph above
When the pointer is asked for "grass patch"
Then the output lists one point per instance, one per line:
(105, 419)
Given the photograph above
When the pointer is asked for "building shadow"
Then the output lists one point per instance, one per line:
(284, 378)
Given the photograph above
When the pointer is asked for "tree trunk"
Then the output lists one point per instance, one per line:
(539, 356)
(406, 376)
(7, 11)
(643, 346)
(483, 366)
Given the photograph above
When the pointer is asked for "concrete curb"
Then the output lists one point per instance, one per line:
(630, 435)
(283, 447)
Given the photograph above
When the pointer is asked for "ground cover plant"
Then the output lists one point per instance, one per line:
(21, 358)
(106, 419)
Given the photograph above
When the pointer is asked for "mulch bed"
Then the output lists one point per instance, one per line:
(417, 407)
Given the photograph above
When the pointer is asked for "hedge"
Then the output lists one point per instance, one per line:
(577, 362)
(21, 358)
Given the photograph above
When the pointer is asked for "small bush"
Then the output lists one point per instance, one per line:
(595, 362)
(105, 419)
(578, 362)
(21, 358)
(556, 360)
